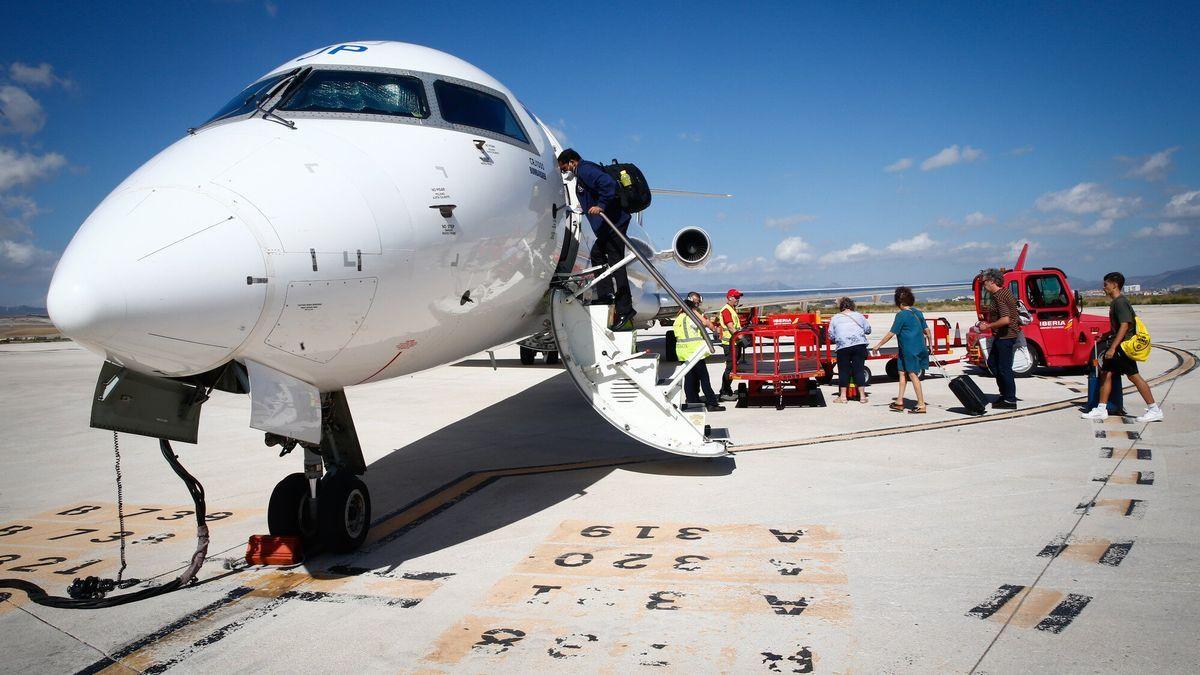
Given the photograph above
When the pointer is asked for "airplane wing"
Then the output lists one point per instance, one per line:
(796, 296)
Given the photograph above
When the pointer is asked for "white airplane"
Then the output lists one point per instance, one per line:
(365, 211)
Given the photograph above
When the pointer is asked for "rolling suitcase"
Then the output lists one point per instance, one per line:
(968, 394)
(1116, 397)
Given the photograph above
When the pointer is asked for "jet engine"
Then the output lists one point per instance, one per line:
(692, 247)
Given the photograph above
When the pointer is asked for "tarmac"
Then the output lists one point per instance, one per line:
(514, 530)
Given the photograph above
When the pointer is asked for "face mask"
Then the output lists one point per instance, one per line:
(568, 175)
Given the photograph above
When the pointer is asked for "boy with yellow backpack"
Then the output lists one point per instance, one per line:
(1130, 343)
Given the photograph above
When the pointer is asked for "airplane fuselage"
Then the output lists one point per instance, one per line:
(349, 248)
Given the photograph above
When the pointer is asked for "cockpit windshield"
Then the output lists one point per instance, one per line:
(481, 110)
(249, 99)
(359, 92)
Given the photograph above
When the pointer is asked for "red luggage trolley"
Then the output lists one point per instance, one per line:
(783, 355)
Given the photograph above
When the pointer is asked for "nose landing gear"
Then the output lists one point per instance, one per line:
(332, 512)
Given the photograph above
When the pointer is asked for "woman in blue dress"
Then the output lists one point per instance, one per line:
(912, 335)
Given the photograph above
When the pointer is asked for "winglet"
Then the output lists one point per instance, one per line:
(1021, 258)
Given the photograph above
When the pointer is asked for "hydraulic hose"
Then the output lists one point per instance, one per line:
(89, 593)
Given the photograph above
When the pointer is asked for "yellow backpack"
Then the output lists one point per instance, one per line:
(1137, 346)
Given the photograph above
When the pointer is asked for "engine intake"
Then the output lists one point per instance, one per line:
(692, 247)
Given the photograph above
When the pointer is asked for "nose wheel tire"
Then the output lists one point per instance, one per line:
(343, 512)
(289, 512)
(528, 356)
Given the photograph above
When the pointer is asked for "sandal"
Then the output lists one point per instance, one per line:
(896, 406)
(919, 410)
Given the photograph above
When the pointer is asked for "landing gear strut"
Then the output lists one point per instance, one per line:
(328, 505)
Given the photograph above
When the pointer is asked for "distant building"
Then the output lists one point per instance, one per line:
(1133, 288)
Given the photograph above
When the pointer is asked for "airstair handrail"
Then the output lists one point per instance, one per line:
(663, 283)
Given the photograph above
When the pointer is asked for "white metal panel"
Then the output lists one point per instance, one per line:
(319, 318)
(309, 199)
(283, 405)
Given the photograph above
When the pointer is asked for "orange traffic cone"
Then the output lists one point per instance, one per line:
(852, 390)
(957, 336)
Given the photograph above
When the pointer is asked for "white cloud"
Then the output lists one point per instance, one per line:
(971, 221)
(41, 75)
(1087, 198)
(15, 213)
(1014, 248)
(920, 242)
(978, 219)
(1184, 205)
(1164, 230)
(853, 253)
(19, 112)
(1021, 151)
(793, 250)
(720, 264)
(691, 137)
(1153, 167)
(899, 165)
(1074, 227)
(25, 168)
(560, 132)
(23, 261)
(788, 222)
(951, 156)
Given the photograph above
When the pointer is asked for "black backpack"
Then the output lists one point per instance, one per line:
(631, 186)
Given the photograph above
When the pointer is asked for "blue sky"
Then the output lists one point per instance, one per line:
(863, 144)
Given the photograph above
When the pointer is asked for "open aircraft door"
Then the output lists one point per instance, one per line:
(621, 382)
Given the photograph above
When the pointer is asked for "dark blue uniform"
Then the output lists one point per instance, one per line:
(594, 187)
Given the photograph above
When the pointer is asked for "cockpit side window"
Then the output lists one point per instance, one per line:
(248, 99)
(359, 92)
(481, 110)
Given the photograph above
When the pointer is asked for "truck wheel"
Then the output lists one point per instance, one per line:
(527, 355)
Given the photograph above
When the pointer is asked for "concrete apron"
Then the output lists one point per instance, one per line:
(506, 538)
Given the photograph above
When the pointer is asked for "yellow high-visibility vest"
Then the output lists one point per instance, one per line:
(687, 337)
(727, 330)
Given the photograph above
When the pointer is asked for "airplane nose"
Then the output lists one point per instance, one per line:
(163, 280)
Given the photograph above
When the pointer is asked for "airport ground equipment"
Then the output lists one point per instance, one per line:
(939, 331)
(1060, 335)
(779, 363)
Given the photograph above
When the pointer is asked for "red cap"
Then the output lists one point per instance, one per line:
(733, 293)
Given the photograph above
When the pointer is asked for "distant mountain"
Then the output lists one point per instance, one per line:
(1188, 276)
(23, 310)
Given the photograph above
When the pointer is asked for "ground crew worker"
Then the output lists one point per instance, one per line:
(597, 192)
(730, 322)
(688, 341)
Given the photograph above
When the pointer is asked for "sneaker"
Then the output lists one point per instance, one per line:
(1151, 415)
(729, 397)
(1097, 413)
(715, 408)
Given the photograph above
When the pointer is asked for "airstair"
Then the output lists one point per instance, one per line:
(622, 382)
